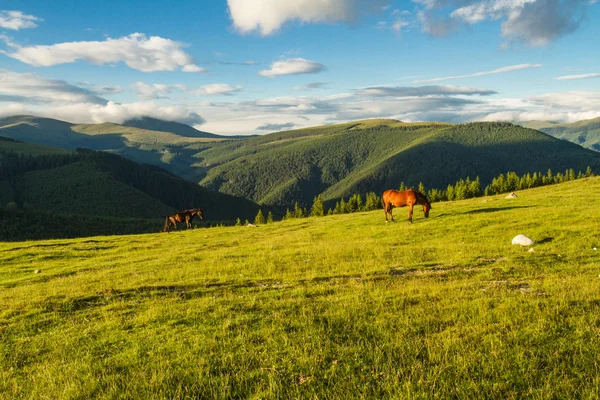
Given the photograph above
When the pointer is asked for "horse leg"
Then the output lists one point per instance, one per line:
(385, 210)
(391, 211)
(410, 213)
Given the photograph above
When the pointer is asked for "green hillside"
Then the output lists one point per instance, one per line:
(585, 133)
(99, 184)
(154, 124)
(173, 150)
(345, 307)
(359, 157)
(12, 145)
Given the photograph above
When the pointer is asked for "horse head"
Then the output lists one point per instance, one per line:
(426, 208)
(200, 213)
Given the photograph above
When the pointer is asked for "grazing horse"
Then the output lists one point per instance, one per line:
(410, 197)
(184, 216)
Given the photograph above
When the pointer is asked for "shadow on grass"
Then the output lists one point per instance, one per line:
(545, 240)
(494, 209)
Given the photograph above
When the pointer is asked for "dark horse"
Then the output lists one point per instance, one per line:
(184, 216)
(410, 197)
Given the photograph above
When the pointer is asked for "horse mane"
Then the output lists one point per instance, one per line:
(421, 197)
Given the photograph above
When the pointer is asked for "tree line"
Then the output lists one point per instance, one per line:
(461, 190)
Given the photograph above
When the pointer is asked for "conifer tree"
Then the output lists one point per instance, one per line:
(260, 218)
(298, 212)
(238, 222)
(270, 218)
(318, 208)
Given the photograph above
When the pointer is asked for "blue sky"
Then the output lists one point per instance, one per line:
(254, 66)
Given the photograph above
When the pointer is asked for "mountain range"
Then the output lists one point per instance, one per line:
(585, 133)
(334, 161)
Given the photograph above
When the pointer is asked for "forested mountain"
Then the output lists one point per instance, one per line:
(87, 183)
(154, 124)
(139, 140)
(375, 155)
(585, 133)
(333, 160)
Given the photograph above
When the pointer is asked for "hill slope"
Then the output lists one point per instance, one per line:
(363, 156)
(585, 133)
(346, 307)
(154, 124)
(90, 183)
(172, 150)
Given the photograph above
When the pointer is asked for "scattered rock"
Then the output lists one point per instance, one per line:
(251, 226)
(531, 250)
(485, 201)
(511, 196)
(522, 240)
(37, 271)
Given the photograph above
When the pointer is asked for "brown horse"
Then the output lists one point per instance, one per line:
(410, 197)
(184, 216)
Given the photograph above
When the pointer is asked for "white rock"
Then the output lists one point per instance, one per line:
(511, 196)
(251, 226)
(522, 240)
(531, 250)
(37, 271)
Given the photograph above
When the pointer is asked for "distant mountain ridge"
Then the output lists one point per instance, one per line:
(172, 149)
(585, 133)
(154, 124)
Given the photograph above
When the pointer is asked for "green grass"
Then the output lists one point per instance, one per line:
(344, 306)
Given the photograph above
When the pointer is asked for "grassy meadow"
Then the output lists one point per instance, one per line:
(343, 306)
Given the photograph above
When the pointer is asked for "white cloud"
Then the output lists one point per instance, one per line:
(534, 22)
(149, 91)
(101, 89)
(311, 86)
(292, 66)
(217, 89)
(16, 20)
(509, 68)
(137, 51)
(109, 112)
(32, 88)
(267, 16)
(581, 76)
(421, 91)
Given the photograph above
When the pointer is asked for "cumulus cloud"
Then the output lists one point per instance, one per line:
(32, 88)
(276, 127)
(581, 76)
(267, 16)
(534, 22)
(16, 20)
(311, 86)
(419, 91)
(292, 66)
(101, 89)
(137, 51)
(109, 112)
(149, 91)
(509, 68)
(217, 89)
